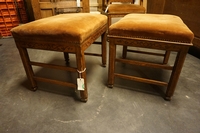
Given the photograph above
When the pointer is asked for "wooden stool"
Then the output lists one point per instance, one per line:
(68, 33)
(160, 32)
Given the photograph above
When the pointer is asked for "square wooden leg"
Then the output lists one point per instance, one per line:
(166, 57)
(29, 71)
(103, 49)
(80, 59)
(181, 55)
(111, 69)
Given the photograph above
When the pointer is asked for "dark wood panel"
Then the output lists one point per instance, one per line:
(155, 6)
(29, 9)
(189, 11)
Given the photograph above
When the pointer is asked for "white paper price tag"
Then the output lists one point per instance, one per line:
(80, 83)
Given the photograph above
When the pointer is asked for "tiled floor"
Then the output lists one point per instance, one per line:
(129, 107)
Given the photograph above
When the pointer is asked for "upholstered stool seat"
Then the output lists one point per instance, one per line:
(153, 26)
(68, 33)
(151, 31)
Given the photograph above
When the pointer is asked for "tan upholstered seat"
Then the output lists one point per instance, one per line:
(151, 31)
(72, 28)
(152, 26)
(68, 33)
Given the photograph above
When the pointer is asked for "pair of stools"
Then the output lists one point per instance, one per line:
(74, 33)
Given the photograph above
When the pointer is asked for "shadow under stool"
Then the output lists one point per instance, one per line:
(150, 31)
(68, 33)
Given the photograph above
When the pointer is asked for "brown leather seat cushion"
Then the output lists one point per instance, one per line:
(125, 9)
(75, 27)
(152, 26)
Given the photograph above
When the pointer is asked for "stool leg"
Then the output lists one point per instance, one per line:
(66, 56)
(111, 69)
(109, 24)
(166, 57)
(109, 21)
(80, 59)
(103, 49)
(29, 71)
(124, 52)
(181, 55)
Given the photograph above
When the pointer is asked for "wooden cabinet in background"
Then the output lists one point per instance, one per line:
(46, 8)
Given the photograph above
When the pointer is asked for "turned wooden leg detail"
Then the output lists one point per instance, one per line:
(66, 56)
